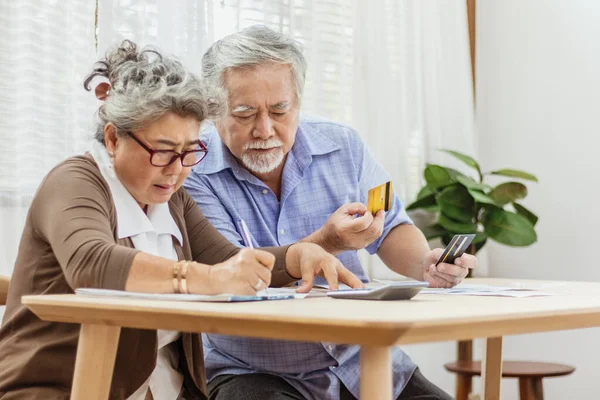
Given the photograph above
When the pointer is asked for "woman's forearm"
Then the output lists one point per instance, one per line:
(154, 274)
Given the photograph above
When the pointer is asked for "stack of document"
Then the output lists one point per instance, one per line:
(463, 289)
(488, 290)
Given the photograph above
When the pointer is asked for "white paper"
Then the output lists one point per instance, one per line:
(282, 291)
(466, 289)
(185, 297)
(341, 286)
(291, 290)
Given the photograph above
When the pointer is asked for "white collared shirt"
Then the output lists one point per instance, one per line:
(151, 233)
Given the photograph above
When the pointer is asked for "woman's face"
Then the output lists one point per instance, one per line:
(145, 182)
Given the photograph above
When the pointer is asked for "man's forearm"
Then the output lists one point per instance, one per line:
(404, 250)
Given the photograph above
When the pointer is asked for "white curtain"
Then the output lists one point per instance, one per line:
(398, 71)
(183, 28)
(412, 89)
(46, 48)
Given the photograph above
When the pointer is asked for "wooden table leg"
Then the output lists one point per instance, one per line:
(96, 353)
(491, 369)
(375, 373)
(531, 389)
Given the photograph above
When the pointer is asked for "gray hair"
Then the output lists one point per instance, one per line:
(144, 86)
(253, 46)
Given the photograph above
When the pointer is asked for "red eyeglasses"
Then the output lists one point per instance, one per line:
(162, 158)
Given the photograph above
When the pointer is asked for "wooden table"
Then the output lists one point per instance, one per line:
(374, 325)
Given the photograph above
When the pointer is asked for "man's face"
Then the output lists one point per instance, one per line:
(260, 126)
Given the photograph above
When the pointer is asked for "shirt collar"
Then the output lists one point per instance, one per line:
(309, 142)
(131, 219)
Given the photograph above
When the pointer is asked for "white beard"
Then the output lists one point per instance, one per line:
(263, 163)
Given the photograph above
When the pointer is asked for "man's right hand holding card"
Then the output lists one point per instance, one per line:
(350, 227)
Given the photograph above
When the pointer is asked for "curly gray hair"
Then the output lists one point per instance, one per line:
(144, 86)
(254, 46)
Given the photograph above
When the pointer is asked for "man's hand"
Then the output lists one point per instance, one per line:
(344, 231)
(307, 260)
(446, 275)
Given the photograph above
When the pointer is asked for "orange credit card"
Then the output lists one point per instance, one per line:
(380, 198)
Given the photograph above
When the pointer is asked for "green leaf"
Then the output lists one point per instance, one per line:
(456, 202)
(531, 217)
(437, 177)
(508, 228)
(422, 203)
(513, 173)
(424, 192)
(479, 237)
(479, 241)
(433, 231)
(470, 183)
(508, 192)
(456, 226)
(481, 197)
(464, 158)
(454, 174)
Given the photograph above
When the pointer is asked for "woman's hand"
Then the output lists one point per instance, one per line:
(244, 274)
(307, 260)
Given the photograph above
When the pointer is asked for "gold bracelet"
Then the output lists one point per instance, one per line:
(182, 280)
(176, 268)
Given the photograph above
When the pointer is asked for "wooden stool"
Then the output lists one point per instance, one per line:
(530, 375)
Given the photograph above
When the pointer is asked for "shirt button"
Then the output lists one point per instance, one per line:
(330, 347)
(265, 191)
(282, 231)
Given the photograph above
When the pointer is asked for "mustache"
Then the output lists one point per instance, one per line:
(263, 144)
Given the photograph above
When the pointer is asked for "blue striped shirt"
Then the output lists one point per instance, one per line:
(328, 166)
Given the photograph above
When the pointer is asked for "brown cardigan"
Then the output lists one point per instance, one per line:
(70, 241)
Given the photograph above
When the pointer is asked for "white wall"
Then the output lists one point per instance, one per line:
(538, 108)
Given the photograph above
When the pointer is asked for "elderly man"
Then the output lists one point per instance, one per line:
(297, 180)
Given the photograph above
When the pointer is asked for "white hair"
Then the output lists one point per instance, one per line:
(250, 47)
(144, 86)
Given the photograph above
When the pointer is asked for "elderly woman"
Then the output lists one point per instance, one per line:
(117, 218)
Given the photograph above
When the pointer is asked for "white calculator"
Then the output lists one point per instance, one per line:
(393, 291)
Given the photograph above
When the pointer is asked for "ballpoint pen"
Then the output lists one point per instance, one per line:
(247, 239)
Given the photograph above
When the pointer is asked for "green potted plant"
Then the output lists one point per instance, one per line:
(463, 204)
